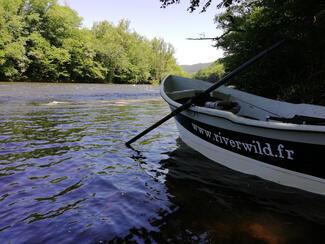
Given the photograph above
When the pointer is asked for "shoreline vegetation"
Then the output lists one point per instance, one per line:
(296, 71)
(43, 41)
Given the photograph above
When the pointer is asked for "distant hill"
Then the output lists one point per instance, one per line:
(193, 68)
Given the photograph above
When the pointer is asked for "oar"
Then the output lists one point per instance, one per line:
(217, 84)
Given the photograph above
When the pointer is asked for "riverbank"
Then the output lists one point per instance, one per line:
(76, 82)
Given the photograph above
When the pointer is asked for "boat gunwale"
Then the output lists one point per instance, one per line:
(242, 120)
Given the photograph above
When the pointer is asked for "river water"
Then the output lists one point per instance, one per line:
(67, 177)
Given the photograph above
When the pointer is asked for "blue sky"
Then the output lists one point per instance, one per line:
(174, 24)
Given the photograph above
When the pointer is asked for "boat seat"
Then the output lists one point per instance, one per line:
(224, 105)
(220, 96)
(299, 119)
(176, 95)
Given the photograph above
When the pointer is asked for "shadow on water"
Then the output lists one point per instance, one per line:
(213, 204)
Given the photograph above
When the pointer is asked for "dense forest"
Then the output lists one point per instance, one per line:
(296, 71)
(41, 40)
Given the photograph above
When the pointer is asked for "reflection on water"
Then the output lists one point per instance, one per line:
(66, 176)
(215, 204)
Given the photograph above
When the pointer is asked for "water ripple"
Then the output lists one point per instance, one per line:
(67, 176)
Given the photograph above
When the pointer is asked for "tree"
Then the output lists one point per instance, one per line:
(213, 72)
(47, 62)
(41, 40)
(293, 73)
(13, 62)
(194, 4)
(296, 72)
(130, 57)
(59, 23)
(83, 65)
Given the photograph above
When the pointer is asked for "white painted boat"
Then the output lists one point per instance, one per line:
(277, 141)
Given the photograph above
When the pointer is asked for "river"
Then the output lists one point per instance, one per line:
(67, 177)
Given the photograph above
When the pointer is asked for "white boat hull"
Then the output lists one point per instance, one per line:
(250, 166)
(290, 154)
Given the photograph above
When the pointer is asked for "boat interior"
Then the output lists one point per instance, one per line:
(242, 104)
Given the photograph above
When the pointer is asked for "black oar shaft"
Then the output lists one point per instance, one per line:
(241, 67)
(206, 92)
(163, 120)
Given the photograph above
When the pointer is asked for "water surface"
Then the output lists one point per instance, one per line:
(66, 176)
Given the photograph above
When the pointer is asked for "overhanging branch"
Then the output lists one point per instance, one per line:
(210, 38)
(201, 38)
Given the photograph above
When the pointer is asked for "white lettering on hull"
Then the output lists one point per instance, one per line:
(255, 146)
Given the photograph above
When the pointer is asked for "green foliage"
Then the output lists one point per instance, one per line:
(213, 72)
(293, 73)
(47, 62)
(194, 4)
(41, 40)
(82, 65)
(130, 57)
(59, 23)
(12, 50)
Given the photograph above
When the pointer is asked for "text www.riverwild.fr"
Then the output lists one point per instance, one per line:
(255, 146)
